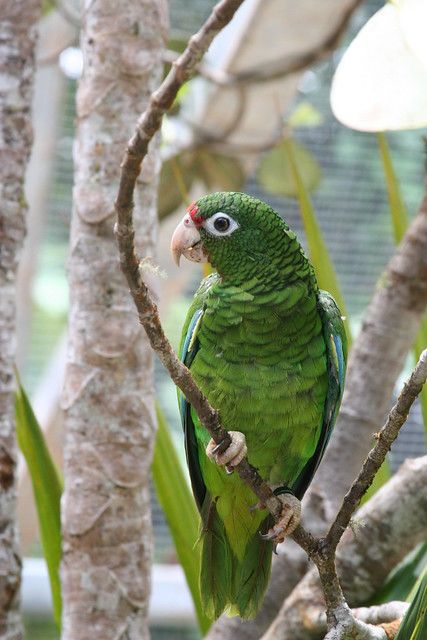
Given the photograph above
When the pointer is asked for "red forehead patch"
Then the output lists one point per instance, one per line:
(193, 211)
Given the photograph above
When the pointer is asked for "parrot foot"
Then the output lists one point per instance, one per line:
(290, 518)
(234, 453)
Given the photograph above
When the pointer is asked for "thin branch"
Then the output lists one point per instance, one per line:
(385, 438)
(322, 552)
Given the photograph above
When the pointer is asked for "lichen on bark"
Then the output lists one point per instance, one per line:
(108, 392)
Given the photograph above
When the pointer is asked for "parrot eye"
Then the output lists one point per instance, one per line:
(221, 224)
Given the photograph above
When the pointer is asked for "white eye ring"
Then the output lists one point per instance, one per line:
(214, 223)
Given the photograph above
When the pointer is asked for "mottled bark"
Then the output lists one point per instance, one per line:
(385, 529)
(377, 357)
(18, 31)
(108, 394)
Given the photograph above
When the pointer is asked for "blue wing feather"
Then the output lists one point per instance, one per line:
(188, 351)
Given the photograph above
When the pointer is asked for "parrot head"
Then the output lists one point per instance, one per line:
(231, 230)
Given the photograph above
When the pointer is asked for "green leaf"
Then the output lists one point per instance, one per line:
(398, 212)
(176, 177)
(276, 174)
(402, 579)
(218, 171)
(180, 510)
(47, 488)
(318, 251)
(305, 115)
(414, 623)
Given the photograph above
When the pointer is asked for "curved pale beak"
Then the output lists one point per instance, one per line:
(186, 242)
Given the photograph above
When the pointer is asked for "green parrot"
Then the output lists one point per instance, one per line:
(268, 349)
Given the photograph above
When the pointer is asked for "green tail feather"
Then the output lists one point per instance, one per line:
(252, 575)
(226, 583)
(216, 564)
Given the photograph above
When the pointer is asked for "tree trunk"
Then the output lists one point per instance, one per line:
(18, 31)
(108, 394)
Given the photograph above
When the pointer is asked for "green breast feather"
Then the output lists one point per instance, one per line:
(268, 349)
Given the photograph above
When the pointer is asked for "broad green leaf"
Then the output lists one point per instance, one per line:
(47, 488)
(276, 174)
(414, 624)
(402, 579)
(305, 115)
(218, 171)
(400, 222)
(381, 82)
(318, 251)
(180, 510)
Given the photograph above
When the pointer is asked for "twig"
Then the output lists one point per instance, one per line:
(396, 419)
(337, 610)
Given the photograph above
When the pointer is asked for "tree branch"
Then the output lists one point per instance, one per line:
(383, 532)
(385, 438)
(323, 554)
(375, 615)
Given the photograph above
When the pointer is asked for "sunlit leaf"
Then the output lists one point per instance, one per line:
(398, 212)
(318, 251)
(180, 510)
(381, 81)
(305, 115)
(275, 171)
(47, 488)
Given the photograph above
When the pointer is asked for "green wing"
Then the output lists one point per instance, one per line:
(188, 349)
(336, 354)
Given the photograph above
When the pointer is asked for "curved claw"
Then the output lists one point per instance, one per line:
(288, 522)
(230, 455)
